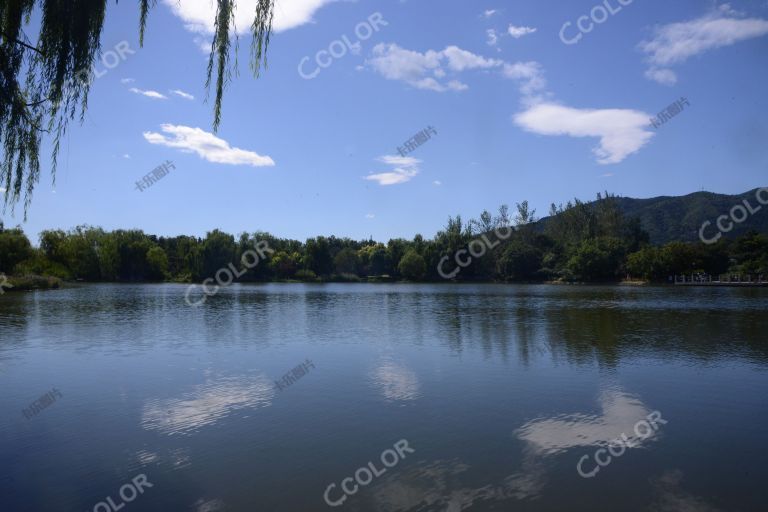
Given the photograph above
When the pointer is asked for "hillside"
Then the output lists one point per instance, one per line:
(670, 218)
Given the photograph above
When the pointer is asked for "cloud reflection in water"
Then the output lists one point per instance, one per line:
(207, 404)
(621, 412)
(396, 382)
(438, 486)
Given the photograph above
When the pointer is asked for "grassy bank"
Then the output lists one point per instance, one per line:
(31, 282)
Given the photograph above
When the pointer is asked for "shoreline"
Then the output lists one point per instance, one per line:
(46, 283)
(32, 283)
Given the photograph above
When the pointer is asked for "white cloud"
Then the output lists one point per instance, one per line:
(127, 156)
(437, 183)
(662, 76)
(405, 168)
(206, 145)
(459, 60)
(199, 15)
(677, 42)
(127, 80)
(518, 32)
(149, 94)
(493, 38)
(488, 13)
(183, 94)
(455, 85)
(403, 161)
(621, 132)
(531, 74)
(370, 216)
(396, 63)
(430, 70)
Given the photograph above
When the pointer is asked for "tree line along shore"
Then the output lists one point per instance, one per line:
(579, 242)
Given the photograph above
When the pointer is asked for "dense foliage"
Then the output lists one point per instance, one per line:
(580, 242)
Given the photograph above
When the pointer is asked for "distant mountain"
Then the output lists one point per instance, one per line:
(669, 219)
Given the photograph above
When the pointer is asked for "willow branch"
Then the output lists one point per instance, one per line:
(21, 43)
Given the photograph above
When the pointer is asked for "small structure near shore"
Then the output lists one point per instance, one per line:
(721, 280)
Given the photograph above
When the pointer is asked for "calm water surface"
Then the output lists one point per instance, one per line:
(500, 391)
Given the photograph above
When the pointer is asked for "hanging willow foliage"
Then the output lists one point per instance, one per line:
(44, 84)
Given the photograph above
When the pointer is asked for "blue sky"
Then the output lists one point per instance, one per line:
(518, 114)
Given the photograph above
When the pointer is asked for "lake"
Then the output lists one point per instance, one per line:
(388, 397)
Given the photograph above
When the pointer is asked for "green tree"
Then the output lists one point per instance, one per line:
(374, 260)
(80, 248)
(484, 225)
(285, 265)
(157, 264)
(519, 261)
(318, 256)
(186, 258)
(525, 214)
(132, 248)
(598, 259)
(52, 243)
(412, 266)
(750, 254)
(218, 252)
(108, 254)
(14, 248)
(454, 237)
(680, 258)
(380, 262)
(396, 249)
(346, 261)
(646, 263)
